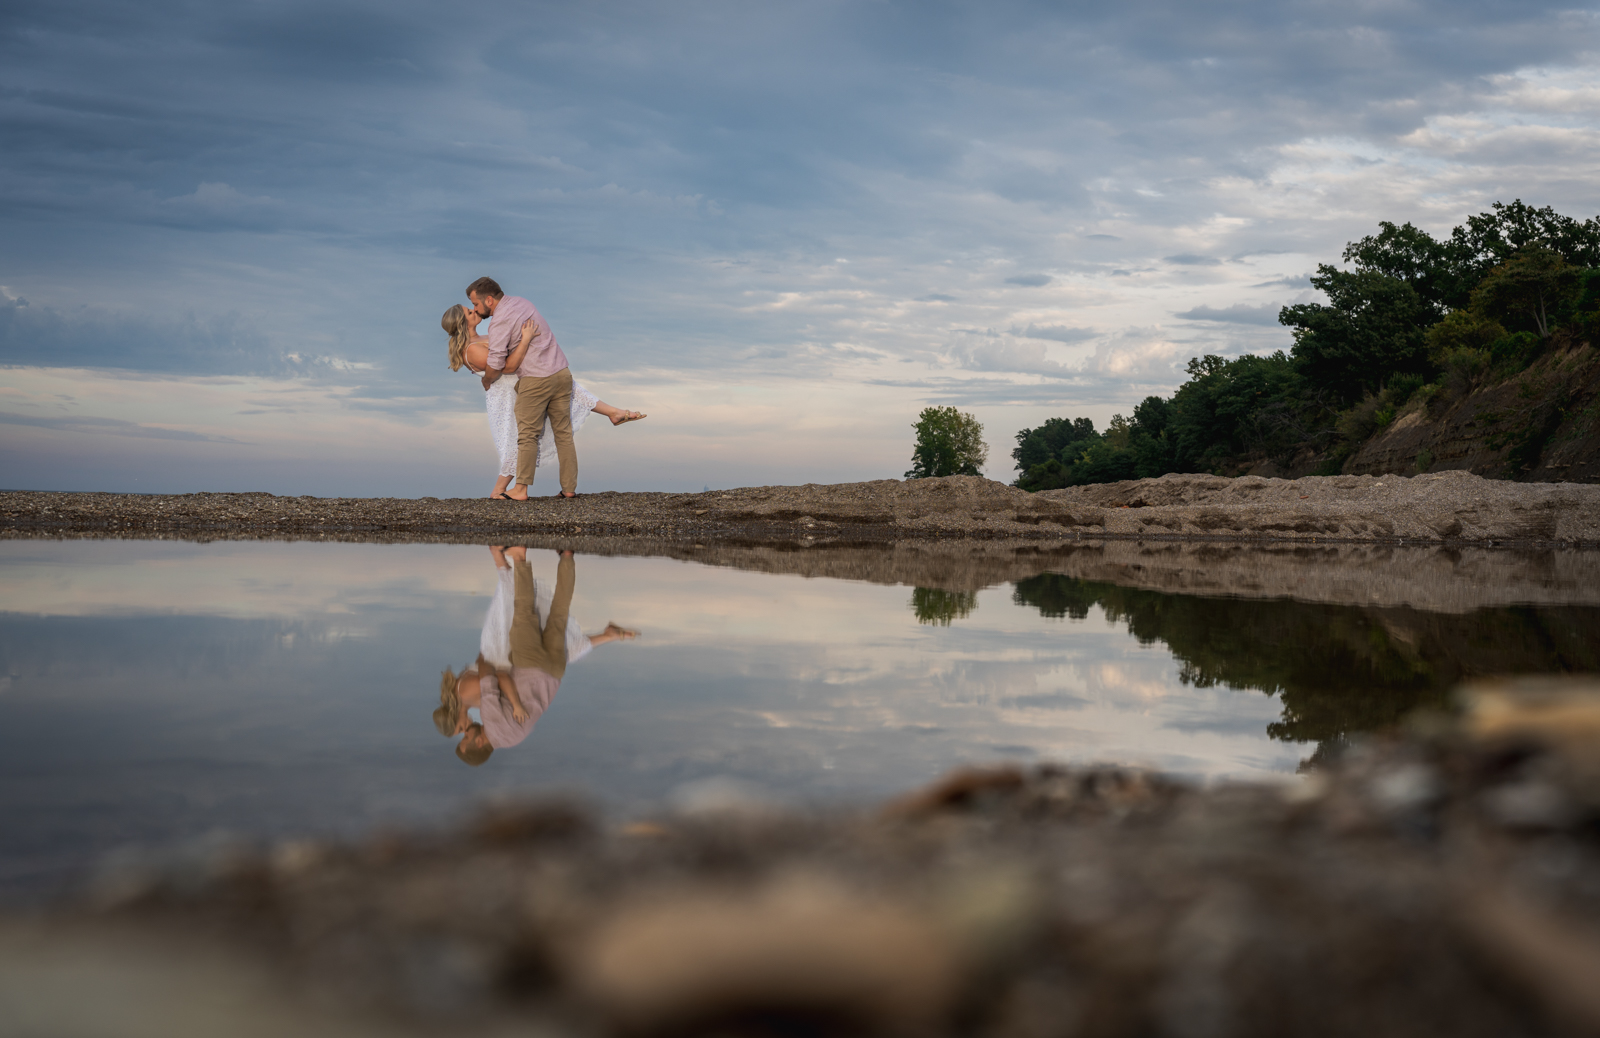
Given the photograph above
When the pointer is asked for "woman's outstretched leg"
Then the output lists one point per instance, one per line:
(616, 414)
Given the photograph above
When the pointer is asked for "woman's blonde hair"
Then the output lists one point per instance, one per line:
(459, 328)
(449, 711)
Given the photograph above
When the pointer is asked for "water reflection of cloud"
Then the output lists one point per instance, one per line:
(235, 578)
(818, 687)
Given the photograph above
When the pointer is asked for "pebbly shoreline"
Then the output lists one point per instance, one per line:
(1453, 508)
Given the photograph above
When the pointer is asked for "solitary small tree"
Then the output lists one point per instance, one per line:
(949, 443)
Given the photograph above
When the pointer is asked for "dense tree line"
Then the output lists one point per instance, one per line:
(1414, 317)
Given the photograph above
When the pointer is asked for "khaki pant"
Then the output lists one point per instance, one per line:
(536, 398)
(530, 647)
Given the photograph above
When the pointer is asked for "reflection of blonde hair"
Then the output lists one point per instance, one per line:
(444, 718)
(459, 328)
(472, 750)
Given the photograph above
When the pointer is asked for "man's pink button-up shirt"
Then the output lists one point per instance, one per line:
(544, 355)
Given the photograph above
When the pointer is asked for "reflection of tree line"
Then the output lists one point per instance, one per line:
(1338, 669)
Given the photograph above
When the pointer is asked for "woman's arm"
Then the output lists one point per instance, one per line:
(508, 689)
(514, 358)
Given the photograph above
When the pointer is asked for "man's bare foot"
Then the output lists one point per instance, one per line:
(517, 554)
(626, 416)
(517, 492)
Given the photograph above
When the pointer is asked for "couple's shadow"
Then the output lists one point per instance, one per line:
(529, 639)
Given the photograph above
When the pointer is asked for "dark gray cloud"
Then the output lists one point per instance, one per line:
(1030, 280)
(1189, 259)
(95, 338)
(111, 426)
(1238, 313)
(42, 336)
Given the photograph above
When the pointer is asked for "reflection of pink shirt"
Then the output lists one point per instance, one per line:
(534, 687)
(544, 356)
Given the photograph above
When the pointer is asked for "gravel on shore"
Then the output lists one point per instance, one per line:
(1446, 507)
(1438, 881)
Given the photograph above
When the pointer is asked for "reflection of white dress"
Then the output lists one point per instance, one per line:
(495, 644)
(501, 400)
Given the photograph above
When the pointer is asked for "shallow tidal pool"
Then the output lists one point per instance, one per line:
(161, 692)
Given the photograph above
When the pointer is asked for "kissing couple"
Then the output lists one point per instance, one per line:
(534, 403)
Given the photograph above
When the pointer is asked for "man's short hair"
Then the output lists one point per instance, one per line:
(472, 749)
(485, 287)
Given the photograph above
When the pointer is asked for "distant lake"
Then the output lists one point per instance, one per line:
(158, 692)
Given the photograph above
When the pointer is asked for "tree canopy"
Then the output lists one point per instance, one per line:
(949, 443)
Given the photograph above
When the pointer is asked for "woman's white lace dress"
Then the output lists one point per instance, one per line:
(495, 642)
(501, 400)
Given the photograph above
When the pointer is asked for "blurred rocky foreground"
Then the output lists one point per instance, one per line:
(1443, 880)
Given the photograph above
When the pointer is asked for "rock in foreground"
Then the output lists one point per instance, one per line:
(1439, 882)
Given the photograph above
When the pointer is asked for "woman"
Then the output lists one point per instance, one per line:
(470, 349)
(487, 683)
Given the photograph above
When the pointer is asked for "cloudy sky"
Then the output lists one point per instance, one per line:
(227, 231)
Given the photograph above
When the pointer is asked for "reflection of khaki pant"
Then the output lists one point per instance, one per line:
(536, 398)
(543, 650)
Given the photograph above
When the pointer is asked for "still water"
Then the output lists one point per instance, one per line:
(155, 692)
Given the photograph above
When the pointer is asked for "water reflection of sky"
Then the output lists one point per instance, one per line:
(154, 691)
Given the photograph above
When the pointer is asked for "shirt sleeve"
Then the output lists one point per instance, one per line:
(500, 341)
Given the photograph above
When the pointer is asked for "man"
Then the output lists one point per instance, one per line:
(538, 655)
(544, 384)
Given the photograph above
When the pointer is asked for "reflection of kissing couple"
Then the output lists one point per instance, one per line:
(520, 661)
(534, 404)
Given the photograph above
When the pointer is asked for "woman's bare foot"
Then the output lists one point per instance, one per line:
(620, 632)
(617, 414)
(500, 486)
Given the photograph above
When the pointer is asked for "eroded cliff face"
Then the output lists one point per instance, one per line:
(1541, 426)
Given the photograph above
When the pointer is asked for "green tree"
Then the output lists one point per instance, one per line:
(1372, 328)
(1489, 239)
(1050, 440)
(1461, 330)
(1533, 284)
(1408, 254)
(949, 443)
(1230, 407)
